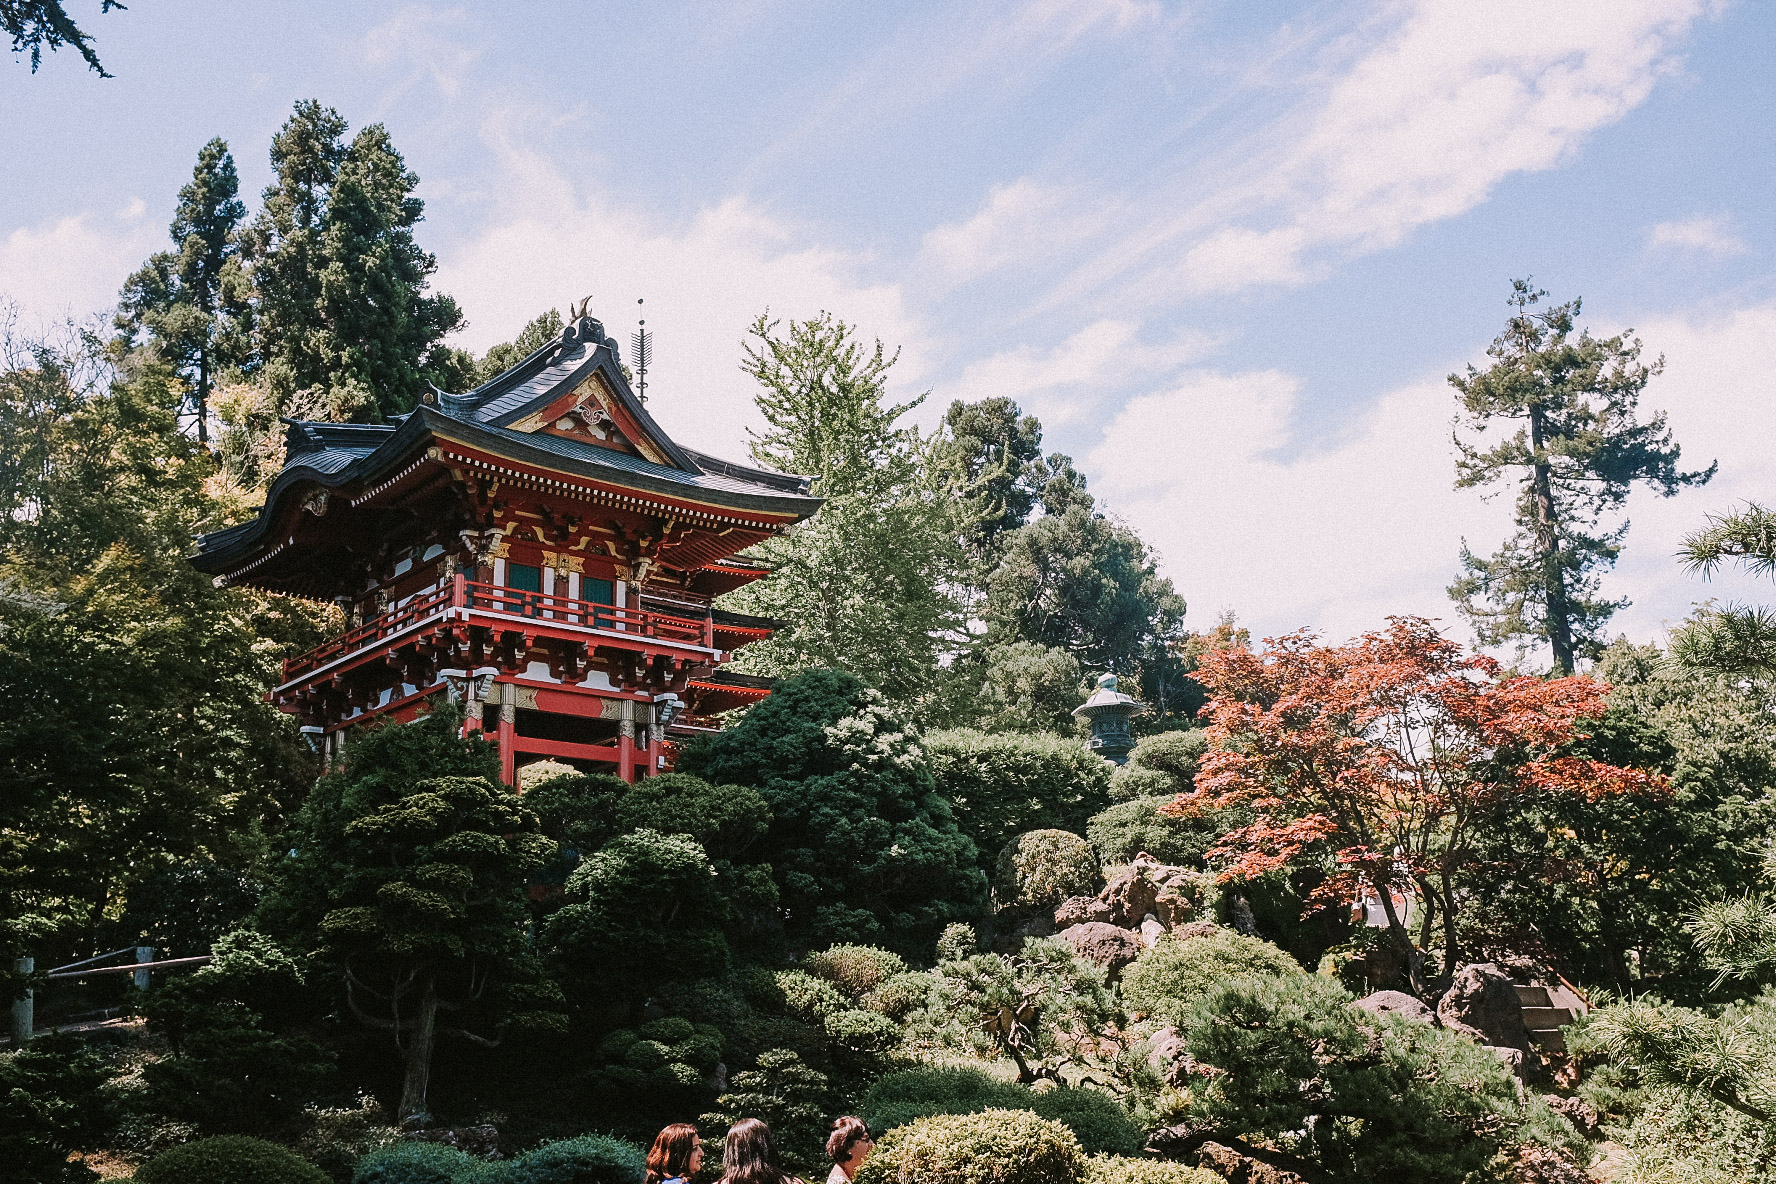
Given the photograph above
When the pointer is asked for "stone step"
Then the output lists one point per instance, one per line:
(1553, 1040)
(1542, 1019)
(1534, 995)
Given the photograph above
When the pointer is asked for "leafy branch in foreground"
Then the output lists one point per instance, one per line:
(36, 25)
(1734, 638)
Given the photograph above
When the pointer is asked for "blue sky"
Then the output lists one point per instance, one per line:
(1227, 252)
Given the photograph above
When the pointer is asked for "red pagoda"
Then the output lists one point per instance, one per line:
(536, 548)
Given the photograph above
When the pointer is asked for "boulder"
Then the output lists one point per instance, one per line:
(1081, 910)
(1170, 1057)
(1535, 1164)
(1482, 1003)
(1130, 896)
(1236, 1168)
(1577, 1111)
(1151, 930)
(1107, 945)
(1398, 1003)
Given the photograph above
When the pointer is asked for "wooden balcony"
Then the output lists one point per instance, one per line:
(498, 610)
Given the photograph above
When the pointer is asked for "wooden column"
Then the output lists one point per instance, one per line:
(626, 742)
(508, 734)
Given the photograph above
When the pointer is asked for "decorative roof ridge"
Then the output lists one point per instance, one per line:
(788, 482)
(315, 435)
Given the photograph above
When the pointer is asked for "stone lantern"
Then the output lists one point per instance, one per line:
(1109, 711)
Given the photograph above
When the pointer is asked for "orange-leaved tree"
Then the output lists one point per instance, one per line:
(1383, 755)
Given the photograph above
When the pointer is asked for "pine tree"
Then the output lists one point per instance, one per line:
(340, 283)
(1734, 638)
(190, 302)
(1575, 457)
(36, 25)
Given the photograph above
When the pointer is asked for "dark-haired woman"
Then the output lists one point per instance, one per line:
(848, 1146)
(750, 1156)
(676, 1155)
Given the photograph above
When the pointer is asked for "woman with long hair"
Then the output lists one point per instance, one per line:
(750, 1156)
(848, 1146)
(676, 1155)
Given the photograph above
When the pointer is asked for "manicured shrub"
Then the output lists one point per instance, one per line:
(1122, 1169)
(958, 940)
(809, 999)
(1096, 1119)
(1044, 867)
(589, 1159)
(1003, 784)
(1128, 828)
(865, 1032)
(230, 1159)
(992, 1147)
(1163, 764)
(901, 995)
(414, 1163)
(1166, 979)
(899, 1098)
(855, 970)
(52, 1101)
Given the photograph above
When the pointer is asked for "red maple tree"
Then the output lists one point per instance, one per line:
(1385, 753)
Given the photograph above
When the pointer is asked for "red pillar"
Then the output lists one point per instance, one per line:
(508, 736)
(626, 758)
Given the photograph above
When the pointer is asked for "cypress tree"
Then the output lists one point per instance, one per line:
(1576, 454)
(189, 303)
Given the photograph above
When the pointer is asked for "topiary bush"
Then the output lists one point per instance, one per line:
(867, 1033)
(1122, 1169)
(900, 996)
(1096, 1119)
(1044, 867)
(809, 999)
(230, 1159)
(992, 1147)
(855, 970)
(899, 1098)
(1002, 784)
(1165, 980)
(589, 1159)
(414, 1163)
(1128, 828)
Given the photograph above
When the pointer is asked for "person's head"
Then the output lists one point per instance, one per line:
(849, 1144)
(750, 1156)
(677, 1151)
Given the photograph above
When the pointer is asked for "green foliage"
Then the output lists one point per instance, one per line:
(241, 1063)
(646, 908)
(1162, 764)
(1044, 867)
(726, 820)
(577, 811)
(899, 996)
(660, 1066)
(340, 301)
(788, 1097)
(865, 583)
(589, 1159)
(990, 454)
(1119, 1169)
(230, 1159)
(51, 1103)
(1168, 978)
(1734, 638)
(1002, 785)
(414, 1163)
(855, 970)
(896, 1099)
(36, 25)
(1728, 1058)
(1680, 1137)
(958, 940)
(1287, 1060)
(1025, 687)
(1575, 457)
(808, 998)
(862, 847)
(1599, 885)
(1099, 1121)
(1126, 829)
(1043, 1008)
(992, 1147)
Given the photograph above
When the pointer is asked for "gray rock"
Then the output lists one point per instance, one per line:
(1482, 1003)
(1130, 896)
(1151, 930)
(1398, 1003)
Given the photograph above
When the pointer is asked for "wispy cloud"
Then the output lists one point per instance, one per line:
(1711, 236)
(425, 44)
(73, 265)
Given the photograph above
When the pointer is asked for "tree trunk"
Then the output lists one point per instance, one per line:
(419, 1054)
(203, 398)
(1402, 940)
(1548, 544)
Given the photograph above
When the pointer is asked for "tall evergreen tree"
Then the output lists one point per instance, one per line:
(36, 25)
(340, 283)
(992, 455)
(190, 303)
(868, 581)
(1578, 451)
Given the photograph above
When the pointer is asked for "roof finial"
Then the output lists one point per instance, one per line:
(642, 342)
(577, 312)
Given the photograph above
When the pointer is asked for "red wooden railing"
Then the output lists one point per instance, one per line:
(505, 602)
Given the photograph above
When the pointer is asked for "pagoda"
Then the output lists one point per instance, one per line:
(537, 549)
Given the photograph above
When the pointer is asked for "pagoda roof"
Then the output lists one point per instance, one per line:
(345, 456)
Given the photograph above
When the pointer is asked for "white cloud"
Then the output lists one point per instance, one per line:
(1017, 222)
(1065, 381)
(549, 239)
(1342, 536)
(1425, 124)
(74, 265)
(1712, 236)
(426, 43)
